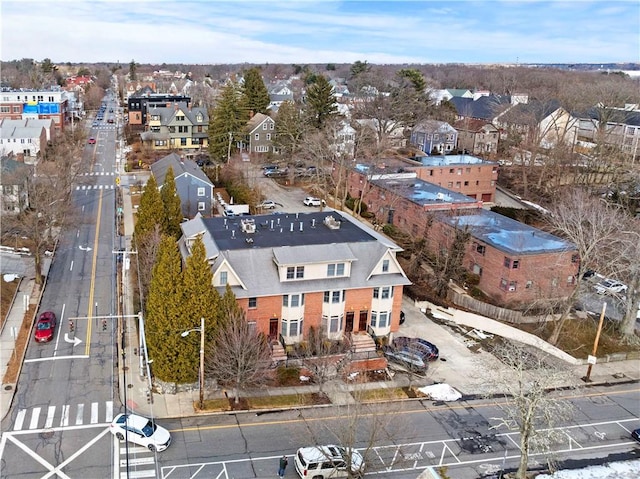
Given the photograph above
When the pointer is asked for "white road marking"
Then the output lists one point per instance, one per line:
(71, 267)
(36, 457)
(94, 413)
(53, 358)
(109, 412)
(138, 474)
(79, 414)
(55, 349)
(35, 415)
(50, 412)
(138, 461)
(78, 234)
(19, 419)
(64, 420)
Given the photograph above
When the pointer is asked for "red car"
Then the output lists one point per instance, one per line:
(92, 141)
(45, 326)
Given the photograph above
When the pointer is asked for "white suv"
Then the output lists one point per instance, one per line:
(322, 462)
(313, 201)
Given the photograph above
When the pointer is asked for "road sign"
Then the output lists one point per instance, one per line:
(118, 181)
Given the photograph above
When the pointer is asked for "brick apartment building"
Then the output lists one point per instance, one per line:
(516, 263)
(466, 174)
(26, 104)
(292, 272)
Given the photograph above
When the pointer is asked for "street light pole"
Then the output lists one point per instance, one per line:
(201, 375)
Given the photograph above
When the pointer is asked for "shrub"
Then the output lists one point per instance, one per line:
(288, 375)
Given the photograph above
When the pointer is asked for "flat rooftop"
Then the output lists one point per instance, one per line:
(288, 229)
(450, 160)
(423, 193)
(509, 235)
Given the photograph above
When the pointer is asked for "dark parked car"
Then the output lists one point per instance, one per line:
(409, 359)
(636, 434)
(401, 317)
(427, 351)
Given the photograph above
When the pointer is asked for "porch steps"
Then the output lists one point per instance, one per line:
(362, 342)
(277, 352)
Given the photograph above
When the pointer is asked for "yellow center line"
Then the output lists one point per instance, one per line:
(93, 277)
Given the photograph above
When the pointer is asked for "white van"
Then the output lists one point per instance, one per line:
(325, 462)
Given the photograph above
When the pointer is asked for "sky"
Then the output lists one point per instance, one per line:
(321, 31)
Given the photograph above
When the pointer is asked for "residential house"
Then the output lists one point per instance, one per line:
(516, 264)
(139, 104)
(484, 107)
(25, 104)
(135, 86)
(434, 137)
(48, 125)
(193, 186)
(466, 174)
(292, 272)
(478, 137)
(278, 94)
(438, 96)
(23, 141)
(14, 192)
(615, 127)
(260, 134)
(178, 127)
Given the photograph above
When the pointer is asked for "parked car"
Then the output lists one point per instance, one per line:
(409, 359)
(636, 434)
(427, 351)
(141, 431)
(267, 205)
(323, 462)
(313, 201)
(401, 317)
(610, 286)
(277, 173)
(45, 327)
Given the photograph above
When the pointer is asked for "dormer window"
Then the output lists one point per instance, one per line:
(385, 266)
(335, 269)
(295, 272)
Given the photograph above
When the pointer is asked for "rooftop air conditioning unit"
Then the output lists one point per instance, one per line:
(248, 225)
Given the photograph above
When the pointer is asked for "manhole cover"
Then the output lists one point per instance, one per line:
(125, 368)
(47, 434)
(8, 387)
(129, 386)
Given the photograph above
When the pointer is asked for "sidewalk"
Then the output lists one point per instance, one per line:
(28, 292)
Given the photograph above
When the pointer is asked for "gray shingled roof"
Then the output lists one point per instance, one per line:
(180, 167)
(484, 108)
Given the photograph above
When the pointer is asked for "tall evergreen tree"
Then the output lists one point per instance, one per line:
(174, 358)
(150, 210)
(201, 298)
(320, 103)
(172, 205)
(226, 123)
(255, 97)
(289, 129)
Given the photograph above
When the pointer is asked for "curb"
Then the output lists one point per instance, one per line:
(13, 300)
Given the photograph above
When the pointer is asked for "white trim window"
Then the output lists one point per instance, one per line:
(201, 206)
(201, 191)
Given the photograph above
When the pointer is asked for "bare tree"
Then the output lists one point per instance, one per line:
(593, 227)
(630, 270)
(529, 406)
(239, 356)
(320, 356)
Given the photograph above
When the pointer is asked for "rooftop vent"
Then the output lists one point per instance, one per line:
(331, 223)
(248, 225)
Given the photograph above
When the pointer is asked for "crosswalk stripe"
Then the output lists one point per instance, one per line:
(138, 474)
(20, 419)
(79, 414)
(77, 188)
(94, 413)
(138, 461)
(109, 412)
(64, 420)
(84, 186)
(133, 449)
(50, 412)
(35, 415)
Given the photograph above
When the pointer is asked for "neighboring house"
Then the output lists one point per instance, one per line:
(14, 193)
(616, 127)
(139, 104)
(466, 174)
(193, 186)
(78, 81)
(48, 125)
(433, 136)
(296, 271)
(516, 264)
(278, 94)
(485, 107)
(24, 141)
(178, 127)
(260, 134)
(133, 87)
(478, 137)
(36, 104)
(345, 140)
(438, 96)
